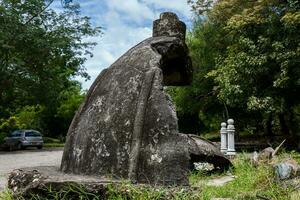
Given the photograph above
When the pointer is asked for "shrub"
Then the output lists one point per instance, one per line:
(2, 136)
(28, 117)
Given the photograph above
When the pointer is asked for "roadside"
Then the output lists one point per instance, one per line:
(27, 158)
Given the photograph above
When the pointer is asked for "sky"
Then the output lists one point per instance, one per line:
(124, 24)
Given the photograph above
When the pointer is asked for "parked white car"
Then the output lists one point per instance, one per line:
(20, 139)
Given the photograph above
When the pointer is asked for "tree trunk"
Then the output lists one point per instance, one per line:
(283, 125)
(269, 126)
(292, 123)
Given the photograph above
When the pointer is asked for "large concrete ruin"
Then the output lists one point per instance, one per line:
(127, 126)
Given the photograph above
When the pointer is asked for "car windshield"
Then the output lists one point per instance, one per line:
(32, 134)
(16, 134)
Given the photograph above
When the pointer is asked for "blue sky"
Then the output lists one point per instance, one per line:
(125, 23)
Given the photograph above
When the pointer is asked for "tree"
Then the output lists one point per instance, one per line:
(197, 106)
(69, 102)
(40, 52)
(260, 69)
(256, 70)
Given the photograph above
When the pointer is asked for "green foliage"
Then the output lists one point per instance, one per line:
(9, 124)
(53, 142)
(40, 52)
(53, 145)
(259, 70)
(111, 192)
(71, 191)
(69, 101)
(250, 181)
(2, 136)
(128, 191)
(246, 55)
(27, 117)
(50, 140)
(6, 195)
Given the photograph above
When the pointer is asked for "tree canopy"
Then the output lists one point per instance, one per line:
(41, 51)
(246, 63)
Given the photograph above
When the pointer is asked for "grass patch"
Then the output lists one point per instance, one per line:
(51, 140)
(129, 191)
(71, 191)
(6, 195)
(54, 144)
(250, 181)
(124, 191)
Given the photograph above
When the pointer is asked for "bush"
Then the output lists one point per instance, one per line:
(249, 183)
(2, 136)
(51, 140)
(7, 125)
(28, 117)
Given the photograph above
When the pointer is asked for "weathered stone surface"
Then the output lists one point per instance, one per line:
(50, 183)
(286, 169)
(169, 25)
(266, 155)
(204, 150)
(127, 125)
(27, 181)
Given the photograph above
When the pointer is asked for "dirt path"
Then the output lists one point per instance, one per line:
(27, 158)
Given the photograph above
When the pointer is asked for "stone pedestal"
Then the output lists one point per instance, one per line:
(38, 180)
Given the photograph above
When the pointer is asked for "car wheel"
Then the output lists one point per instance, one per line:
(39, 147)
(19, 146)
(10, 148)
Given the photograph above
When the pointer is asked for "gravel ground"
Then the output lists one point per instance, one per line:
(27, 158)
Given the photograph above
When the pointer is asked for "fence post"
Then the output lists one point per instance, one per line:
(223, 133)
(230, 136)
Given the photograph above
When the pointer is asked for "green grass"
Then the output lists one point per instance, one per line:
(249, 183)
(112, 192)
(51, 140)
(54, 144)
(129, 191)
(6, 195)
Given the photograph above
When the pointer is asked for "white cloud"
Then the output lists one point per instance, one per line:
(125, 24)
(131, 10)
(179, 6)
